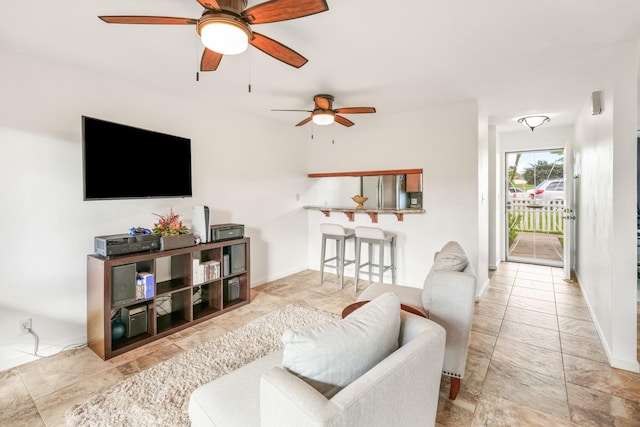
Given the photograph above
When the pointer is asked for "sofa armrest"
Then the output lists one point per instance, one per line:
(400, 390)
(452, 306)
(286, 400)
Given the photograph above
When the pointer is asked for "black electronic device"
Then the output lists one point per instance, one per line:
(121, 244)
(123, 284)
(220, 232)
(134, 319)
(119, 162)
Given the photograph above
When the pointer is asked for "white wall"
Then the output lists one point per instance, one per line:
(48, 230)
(606, 208)
(444, 143)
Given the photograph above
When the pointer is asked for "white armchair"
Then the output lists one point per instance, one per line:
(448, 297)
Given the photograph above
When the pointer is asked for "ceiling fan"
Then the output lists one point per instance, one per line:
(225, 27)
(324, 114)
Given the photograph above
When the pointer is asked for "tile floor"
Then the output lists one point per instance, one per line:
(534, 359)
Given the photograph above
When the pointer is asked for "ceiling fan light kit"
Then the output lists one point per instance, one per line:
(533, 121)
(224, 33)
(323, 117)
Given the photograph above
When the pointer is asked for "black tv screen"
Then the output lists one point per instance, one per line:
(125, 162)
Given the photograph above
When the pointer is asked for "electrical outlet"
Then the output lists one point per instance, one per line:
(25, 326)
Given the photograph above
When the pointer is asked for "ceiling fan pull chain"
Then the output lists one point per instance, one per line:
(250, 62)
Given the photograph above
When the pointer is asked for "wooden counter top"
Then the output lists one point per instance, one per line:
(373, 213)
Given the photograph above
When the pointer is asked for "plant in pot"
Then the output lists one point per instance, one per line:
(174, 234)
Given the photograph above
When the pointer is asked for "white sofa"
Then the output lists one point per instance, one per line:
(448, 296)
(401, 389)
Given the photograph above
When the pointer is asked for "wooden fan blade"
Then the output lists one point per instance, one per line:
(307, 111)
(322, 102)
(148, 20)
(209, 4)
(355, 110)
(282, 10)
(277, 50)
(305, 121)
(210, 60)
(343, 121)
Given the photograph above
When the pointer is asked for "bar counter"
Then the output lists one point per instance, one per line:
(373, 213)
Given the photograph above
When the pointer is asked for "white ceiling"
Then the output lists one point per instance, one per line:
(516, 57)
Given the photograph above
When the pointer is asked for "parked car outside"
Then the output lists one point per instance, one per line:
(548, 190)
(518, 194)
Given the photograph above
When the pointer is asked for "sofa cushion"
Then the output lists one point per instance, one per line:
(451, 257)
(332, 355)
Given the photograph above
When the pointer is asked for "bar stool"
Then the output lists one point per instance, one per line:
(340, 235)
(375, 236)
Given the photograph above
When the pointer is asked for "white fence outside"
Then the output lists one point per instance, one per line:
(538, 216)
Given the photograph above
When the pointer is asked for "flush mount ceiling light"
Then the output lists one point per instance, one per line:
(224, 33)
(323, 117)
(533, 121)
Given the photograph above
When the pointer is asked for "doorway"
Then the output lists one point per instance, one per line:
(535, 207)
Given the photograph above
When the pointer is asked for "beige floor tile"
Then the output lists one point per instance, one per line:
(500, 412)
(534, 284)
(625, 384)
(532, 304)
(495, 297)
(587, 373)
(528, 334)
(500, 287)
(482, 343)
(533, 293)
(505, 282)
(51, 374)
(539, 392)
(567, 288)
(581, 328)
(486, 325)
(590, 407)
(490, 309)
(15, 400)
(537, 276)
(587, 348)
(530, 317)
(570, 299)
(525, 356)
(572, 311)
(542, 270)
(53, 407)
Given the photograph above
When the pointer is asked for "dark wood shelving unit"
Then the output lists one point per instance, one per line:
(178, 302)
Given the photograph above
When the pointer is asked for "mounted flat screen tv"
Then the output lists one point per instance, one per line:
(125, 162)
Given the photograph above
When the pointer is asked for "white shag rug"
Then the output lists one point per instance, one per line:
(159, 396)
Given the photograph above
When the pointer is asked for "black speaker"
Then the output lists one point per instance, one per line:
(135, 320)
(237, 258)
(123, 284)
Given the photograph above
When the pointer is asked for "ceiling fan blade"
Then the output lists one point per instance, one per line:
(355, 110)
(148, 20)
(305, 121)
(343, 121)
(210, 60)
(209, 4)
(307, 111)
(282, 10)
(277, 50)
(322, 102)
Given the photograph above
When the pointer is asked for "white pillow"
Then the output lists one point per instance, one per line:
(451, 257)
(331, 355)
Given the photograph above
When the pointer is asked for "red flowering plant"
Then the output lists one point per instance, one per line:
(169, 225)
